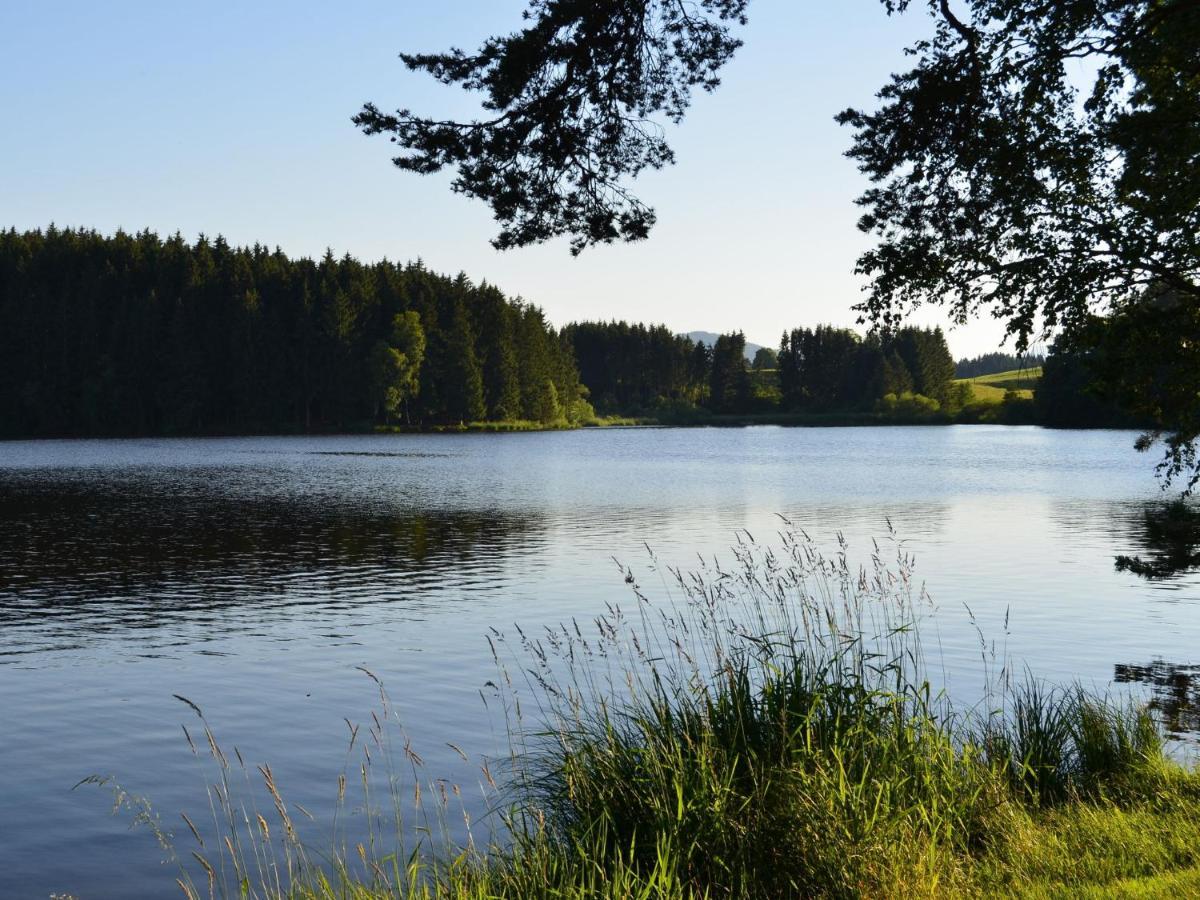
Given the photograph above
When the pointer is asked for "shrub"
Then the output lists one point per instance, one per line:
(908, 406)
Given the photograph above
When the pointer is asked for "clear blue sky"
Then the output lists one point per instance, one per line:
(234, 118)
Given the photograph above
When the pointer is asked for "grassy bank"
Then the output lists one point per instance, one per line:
(766, 726)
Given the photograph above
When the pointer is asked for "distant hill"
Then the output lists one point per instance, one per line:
(708, 338)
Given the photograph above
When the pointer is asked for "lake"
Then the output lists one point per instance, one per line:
(254, 575)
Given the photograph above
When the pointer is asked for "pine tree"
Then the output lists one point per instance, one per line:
(130, 334)
(729, 380)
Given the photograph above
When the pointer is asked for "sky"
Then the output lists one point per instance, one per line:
(233, 118)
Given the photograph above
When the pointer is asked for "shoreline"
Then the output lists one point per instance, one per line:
(864, 420)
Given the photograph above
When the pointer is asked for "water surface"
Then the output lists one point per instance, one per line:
(254, 575)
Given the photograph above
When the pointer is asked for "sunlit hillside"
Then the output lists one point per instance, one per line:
(991, 388)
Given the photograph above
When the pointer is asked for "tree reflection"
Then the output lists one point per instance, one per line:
(1174, 692)
(1170, 534)
(148, 552)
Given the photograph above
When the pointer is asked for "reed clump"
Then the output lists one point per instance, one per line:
(766, 727)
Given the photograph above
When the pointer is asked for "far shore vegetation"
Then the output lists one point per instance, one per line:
(130, 334)
(771, 727)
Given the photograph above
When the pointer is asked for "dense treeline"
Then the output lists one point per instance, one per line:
(992, 363)
(906, 375)
(639, 369)
(830, 369)
(636, 368)
(131, 334)
(648, 370)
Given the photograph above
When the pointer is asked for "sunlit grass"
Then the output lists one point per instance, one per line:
(992, 388)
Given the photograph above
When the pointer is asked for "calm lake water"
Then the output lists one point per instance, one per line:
(254, 575)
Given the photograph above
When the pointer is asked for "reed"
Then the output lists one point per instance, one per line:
(767, 726)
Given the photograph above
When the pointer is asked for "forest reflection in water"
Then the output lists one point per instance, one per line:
(94, 557)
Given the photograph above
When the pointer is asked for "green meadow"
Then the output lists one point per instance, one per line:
(992, 388)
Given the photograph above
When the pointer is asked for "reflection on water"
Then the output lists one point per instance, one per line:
(1170, 536)
(1174, 693)
(96, 557)
(253, 575)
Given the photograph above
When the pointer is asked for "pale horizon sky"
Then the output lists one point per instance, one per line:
(234, 118)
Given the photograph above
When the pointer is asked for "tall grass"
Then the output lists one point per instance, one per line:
(764, 727)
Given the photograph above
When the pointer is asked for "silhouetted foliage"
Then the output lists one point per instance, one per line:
(131, 334)
(818, 369)
(1039, 161)
(1069, 396)
(1145, 358)
(997, 186)
(571, 101)
(635, 370)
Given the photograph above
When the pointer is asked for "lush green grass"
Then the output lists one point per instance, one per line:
(768, 730)
(1143, 845)
(992, 388)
